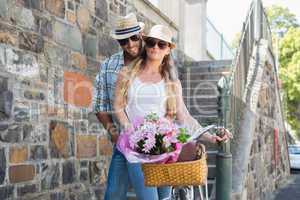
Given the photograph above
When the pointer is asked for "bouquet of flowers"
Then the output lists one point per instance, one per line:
(152, 139)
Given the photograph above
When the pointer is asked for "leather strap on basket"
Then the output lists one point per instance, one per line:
(200, 150)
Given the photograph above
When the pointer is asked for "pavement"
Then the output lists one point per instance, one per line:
(292, 190)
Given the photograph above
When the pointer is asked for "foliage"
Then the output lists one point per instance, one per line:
(285, 28)
(236, 41)
(281, 19)
(289, 47)
(290, 75)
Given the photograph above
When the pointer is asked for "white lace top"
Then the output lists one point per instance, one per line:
(144, 98)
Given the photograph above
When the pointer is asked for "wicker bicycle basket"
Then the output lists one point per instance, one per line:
(177, 174)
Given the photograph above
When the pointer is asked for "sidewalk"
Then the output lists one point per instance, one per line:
(290, 191)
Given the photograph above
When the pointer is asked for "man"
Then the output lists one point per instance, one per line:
(128, 33)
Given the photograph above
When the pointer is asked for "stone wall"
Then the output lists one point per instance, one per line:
(51, 145)
(259, 148)
(268, 166)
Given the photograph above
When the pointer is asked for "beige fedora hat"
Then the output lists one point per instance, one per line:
(126, 27)
(161, 32)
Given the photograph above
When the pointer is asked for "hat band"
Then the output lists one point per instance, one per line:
(128, 30)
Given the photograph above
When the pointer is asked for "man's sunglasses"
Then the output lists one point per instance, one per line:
(151, 42)
(125, 41)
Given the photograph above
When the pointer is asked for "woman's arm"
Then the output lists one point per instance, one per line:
(120, 100)
(184, 117)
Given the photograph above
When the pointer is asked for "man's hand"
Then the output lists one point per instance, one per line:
(114, 134)
(114, 138)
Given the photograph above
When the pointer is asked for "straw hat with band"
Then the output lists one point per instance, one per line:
(161, 32)
(126, 27)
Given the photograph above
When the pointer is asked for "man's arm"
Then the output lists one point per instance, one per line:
(106, 120)
(100, 104)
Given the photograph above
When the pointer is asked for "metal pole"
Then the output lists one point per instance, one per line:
(224, 157)
(222, 40)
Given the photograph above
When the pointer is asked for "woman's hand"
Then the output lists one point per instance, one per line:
(223, 137)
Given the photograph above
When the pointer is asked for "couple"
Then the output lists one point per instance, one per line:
(139, 80)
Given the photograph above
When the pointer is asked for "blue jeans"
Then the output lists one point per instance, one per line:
(119, 175)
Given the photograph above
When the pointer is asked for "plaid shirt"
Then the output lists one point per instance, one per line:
(105, 83)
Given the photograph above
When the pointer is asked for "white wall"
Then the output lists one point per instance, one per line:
(190, 17)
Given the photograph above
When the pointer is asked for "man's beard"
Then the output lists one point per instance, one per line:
(130, 57)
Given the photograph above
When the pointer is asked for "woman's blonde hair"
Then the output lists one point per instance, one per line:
(167, 71)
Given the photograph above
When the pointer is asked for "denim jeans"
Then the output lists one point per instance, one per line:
(121, 172)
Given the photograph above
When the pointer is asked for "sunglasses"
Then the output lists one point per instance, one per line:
(133, 38)
(150, 43)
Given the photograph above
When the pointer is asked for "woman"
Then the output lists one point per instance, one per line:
(151, 85)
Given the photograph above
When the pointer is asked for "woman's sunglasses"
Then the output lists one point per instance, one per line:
(133, 38)
(151, 42)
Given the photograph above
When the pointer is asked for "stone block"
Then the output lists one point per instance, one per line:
(22, 112)
(113, 8)
(3, 8)
(84, 175)
(24, 17)
(13, 134)
(71, 17)
(61, 140)
(69, 173)
(6, 99)
(2, 55)
(21, 173)
(26, 189)
(107, 46)
(7, 192)
(71, 5)
(98, 171)
(67, 35)
(38, 152)
(33, 4)
(8, 38)
(105, 146)
(86, 146)
(50, 176)
(18, 154)
(96, 25)
(102, 10)
(78, 89)
(78, 60)
(81, 126)
(58, 196)
(34, 112)
(31, 42)
(44, 26)
(83, 164)
(56, 7)
(2, 166)
(34, 95)
(27, 131)
(94, 126)
(83, 18)
(91, 4)
(90, 46)
(21, 63)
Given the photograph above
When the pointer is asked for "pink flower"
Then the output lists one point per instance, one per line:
(178, 146)
(164, 126)
(138, 121)
(149, 143)
(135, 137)
(150, 131)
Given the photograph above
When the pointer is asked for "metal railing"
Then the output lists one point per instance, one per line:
(233, 89)
(217, 47)
(256, 27)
